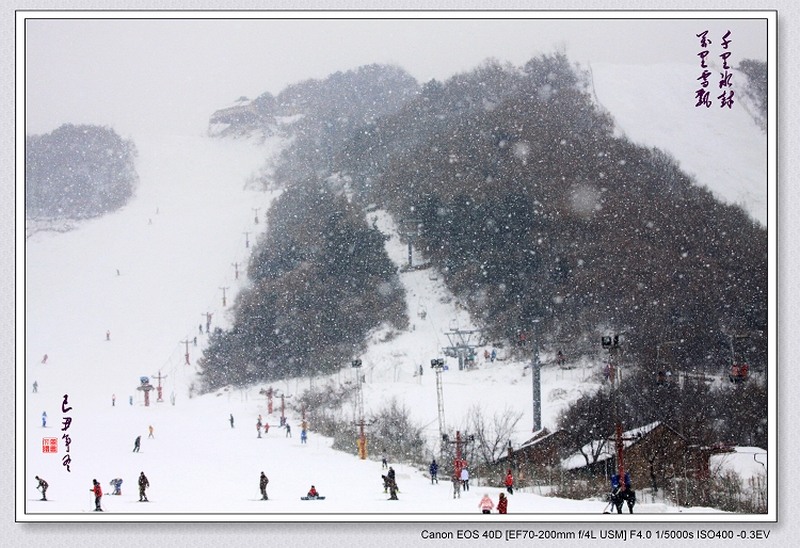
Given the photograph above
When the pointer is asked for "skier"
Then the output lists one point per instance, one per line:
(502, 504)
(486, 505)
(456, 485)
(303, 436)
(35, 387)
(312, 493)
(136, 443)
(143, 484)
(108, 335)
(42, 487)
(288, 430)
(150, 429)
(98, 494)
(509, 482)
(44, 419)
(258, 427)
(434, 470)
(231, 419)
(44, 359)
(266, 428)
(465, 478)
(262, 484)
(116, 483)
(493, 355)
(113, 400)
(384, 463)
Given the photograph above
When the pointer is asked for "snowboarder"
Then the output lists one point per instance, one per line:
(98, 495)
(116, 483)
(137, 443)
(143, 484)
(262, 484)
(486, 505)
(231, 419)
(312, 493)
(502, 504)
(456, 486)
(35, 387)
(42, 487)
(390, 485)
(465, 478)
(44, 419)
(509, 482)
(434, 470)
(150, 430)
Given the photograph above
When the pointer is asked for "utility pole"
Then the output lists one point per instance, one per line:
(146, 387)
(461, 346)
(208, 315)
(255, 210)
(236, 270)
(536, 380)
(246, 239)
(224, 301)
(186, 342)
(158, 388)
(268, 393)
(437, 364)
(612, 344)
(361, 442)
(460, 443)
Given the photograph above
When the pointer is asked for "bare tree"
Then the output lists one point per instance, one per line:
(491, 435)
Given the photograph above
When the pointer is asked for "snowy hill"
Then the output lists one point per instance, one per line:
(174, 248)
(125, 296)
(723, 149)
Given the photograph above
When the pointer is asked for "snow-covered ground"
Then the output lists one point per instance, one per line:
(124, 296)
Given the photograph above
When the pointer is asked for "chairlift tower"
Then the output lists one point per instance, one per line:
(461, 345)
(437, 365)
(410, 230)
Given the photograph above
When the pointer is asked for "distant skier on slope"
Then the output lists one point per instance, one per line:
(434, 470)
(98, 495)
(144, 483)
(116, 483)
(262, 484)
(137, 443)
(509, 482)
(502, 504)
(42, 486)
(486, 505)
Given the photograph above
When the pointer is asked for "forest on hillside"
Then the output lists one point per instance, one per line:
(78, 172)
(534, 212)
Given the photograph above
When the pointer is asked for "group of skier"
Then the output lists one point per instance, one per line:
(97, 490)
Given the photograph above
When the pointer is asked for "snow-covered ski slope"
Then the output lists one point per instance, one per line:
(146, 276)
(723, 149)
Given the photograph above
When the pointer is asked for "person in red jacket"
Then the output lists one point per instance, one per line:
(509, 482)
(502, 504)
(98, 494)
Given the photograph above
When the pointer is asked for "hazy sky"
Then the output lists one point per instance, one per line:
(169, 75)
